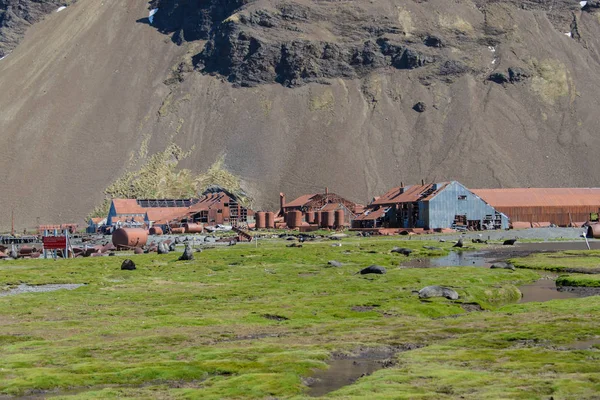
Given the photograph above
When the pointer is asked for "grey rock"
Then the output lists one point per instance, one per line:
(516, 74)
(498, 77)
(433, 41)
(373, 269)
(438, 291)
(334, 263)
(128, 265)
(420, 107)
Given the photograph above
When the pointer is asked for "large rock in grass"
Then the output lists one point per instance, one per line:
(334, 263)
(373, 269)
(128, 265)
(187, 255)
(437, 291)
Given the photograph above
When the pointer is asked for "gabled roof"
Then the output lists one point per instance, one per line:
(209, 200)
(540, 197)
(300, 201)
(124, 220)
(98, 220)
(410, 194)
(127, 206)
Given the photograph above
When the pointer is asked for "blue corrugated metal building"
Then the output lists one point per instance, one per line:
(431, 206)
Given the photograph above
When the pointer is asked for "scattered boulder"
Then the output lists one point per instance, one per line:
(453, 67)
(137, 250)
(402, 250)
(294, 245)
(437, 291)
(516, 74)
(334, 263)
(373, 269)
(432, 248)
(498, 77)
(433, 41)
(187, 255)
(420, 107)
(128, 265)
(502, 265)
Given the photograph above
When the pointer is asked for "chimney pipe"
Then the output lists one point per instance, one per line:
(326, 190)
(281, 202)
(422, 182)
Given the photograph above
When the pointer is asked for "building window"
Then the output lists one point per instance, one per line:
(462, 197)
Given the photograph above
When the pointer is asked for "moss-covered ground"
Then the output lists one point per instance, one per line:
(581, 261)
(579, 280)
(247, 323)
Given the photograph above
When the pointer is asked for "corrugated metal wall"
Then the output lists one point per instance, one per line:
(446, 204)
(562, 216)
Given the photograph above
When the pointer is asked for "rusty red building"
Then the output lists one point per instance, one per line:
(326, 210)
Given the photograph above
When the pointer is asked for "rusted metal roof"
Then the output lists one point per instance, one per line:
(300, 201)
(165, 214)
(540, 197)
(410, 194)
(372, 215)
(128, 206)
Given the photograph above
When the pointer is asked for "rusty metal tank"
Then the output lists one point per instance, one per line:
(339, 218)
(270, 220)
(261, 220)
(193, 228)
(156, 230)
(310, 217)
(294, 219)
(327, 219)
(128, 238)
(594, 231)
(318, 218)
(178, 231)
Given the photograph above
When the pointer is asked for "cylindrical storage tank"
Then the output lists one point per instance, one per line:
(177, 231)
(25, 250)
(193, 228)
(318, 218)
(128, 238)
(327, 219)
(310, 217)
(294, 219)
(339, 218)
(270, 220)
(261, 220)
(594, 231)
(156, 230)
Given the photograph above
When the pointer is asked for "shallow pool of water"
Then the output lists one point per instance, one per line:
(341, 373)
(453, 259)
(544, 290)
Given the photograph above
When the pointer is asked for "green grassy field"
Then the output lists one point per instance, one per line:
(245, 323)
(581, 261)
(579, 280)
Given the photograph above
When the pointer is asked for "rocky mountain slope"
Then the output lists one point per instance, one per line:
(298, 95)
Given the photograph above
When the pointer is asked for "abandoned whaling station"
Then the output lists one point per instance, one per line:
(406, 209)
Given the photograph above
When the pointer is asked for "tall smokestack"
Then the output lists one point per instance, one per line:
(326, 190)
(281, 202)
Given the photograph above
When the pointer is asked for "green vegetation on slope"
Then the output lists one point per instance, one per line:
(200, 329)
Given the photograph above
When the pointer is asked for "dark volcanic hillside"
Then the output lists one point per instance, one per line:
(299, 95)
